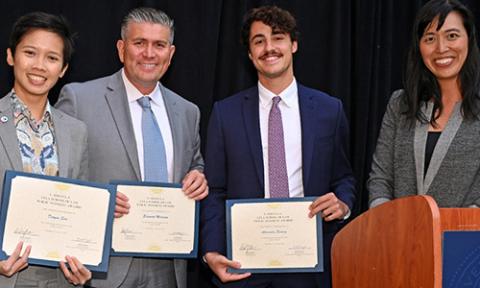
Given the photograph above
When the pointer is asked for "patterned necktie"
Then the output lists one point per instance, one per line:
(277, 167)
(155, 162)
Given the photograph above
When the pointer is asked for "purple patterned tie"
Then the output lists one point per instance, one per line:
(277, 166)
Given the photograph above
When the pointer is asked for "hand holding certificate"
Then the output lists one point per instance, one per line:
(162, 222)
(57, 217)
(274, 235)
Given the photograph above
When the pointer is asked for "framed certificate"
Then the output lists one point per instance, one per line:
(274, 235)
(162, 222)
(57, 217)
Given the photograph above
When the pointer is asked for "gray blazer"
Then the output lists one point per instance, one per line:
(103, 105)
(71, 136)
(452, 178)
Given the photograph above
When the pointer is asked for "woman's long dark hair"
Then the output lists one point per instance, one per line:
(421, 85)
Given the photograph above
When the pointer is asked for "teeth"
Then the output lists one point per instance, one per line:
(149, 66)
(271, 58)
(444, 61)
(36, 78)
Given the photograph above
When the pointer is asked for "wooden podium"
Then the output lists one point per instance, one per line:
(397, 244)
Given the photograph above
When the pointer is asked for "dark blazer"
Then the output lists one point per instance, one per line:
(234, 161)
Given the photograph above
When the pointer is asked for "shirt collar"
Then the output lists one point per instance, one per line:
(133, 94)
(288, 95)
(20, 108)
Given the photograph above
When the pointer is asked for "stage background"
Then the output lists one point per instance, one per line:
(353, 50)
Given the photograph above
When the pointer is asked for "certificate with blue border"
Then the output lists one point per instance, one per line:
(162, 222)
(274, 236)
(57, 217)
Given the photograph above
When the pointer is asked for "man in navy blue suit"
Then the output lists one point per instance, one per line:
(278, 135)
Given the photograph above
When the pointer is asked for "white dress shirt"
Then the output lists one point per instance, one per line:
(160, 112)
(292, 131)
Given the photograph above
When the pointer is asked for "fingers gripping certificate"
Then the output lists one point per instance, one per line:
(57, 217)
(274, 235)
(162, 222)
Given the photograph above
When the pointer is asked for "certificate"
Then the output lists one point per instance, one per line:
(57, 217)
(162, 222)
(274, 236)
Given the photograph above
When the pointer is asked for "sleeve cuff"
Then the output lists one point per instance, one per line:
(378, 201)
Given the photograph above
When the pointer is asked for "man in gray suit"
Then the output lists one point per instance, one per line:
(113, 116)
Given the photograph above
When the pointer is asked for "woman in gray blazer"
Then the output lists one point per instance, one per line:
(37, 138)
(429, 142)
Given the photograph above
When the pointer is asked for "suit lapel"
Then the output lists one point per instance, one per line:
(62, 134)
(441, 148)
(442, 145)
(419, 142)
(176, 129)
(117, 101)
(252, 127)
(8, 134)
(309, 127)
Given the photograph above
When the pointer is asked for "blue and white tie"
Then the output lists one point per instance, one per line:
(155, 161)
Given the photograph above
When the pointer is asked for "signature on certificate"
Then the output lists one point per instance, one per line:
(300, 250)
(128, 234)
(248, 249)
(24, 233)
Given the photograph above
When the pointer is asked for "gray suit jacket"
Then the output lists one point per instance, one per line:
(71, 136)
(102, 104)
(452, 177)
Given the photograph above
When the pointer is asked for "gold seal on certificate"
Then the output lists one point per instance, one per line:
(57, 217)
(162, 222)
(274, 235)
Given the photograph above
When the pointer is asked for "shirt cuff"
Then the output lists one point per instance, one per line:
(378, 201)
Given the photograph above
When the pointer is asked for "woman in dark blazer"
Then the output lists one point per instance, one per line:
(37, 138)
(429, 142)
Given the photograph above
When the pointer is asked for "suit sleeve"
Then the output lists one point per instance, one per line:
(67, 101)
(343, 183)
(84, 156)
(381, 178)
(213, 206)
(197, 160)
(472, 199)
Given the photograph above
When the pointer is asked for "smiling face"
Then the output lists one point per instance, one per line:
(271, 52)
(37, 63)
(444, 51)
(146, 53)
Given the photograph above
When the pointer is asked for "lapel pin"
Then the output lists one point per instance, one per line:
(4, 119)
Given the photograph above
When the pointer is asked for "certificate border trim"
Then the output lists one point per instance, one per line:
(192, 254)
(107, 243)
(317, 268)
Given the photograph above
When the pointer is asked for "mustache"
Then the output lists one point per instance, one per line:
(270, 53)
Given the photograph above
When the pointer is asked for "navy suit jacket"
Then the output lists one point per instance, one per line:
(234, 161)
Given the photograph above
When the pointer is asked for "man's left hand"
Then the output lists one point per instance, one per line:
(329, 206)
(194, 185)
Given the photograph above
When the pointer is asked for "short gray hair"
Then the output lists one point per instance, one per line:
(147, 15)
